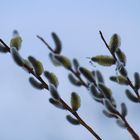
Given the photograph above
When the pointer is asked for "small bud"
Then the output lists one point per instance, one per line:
(94, 93)
(52, 78)
(108, 114)
(53, 60)
(35, 83)
(106, 91)
(16, 41)
(76, 64)
(58, 43)
(114, 43)
(109, 106)
(16, 57)
(119, 79)
(56, 103)
(64, 61)
(75, 101)
(123, 71)
(72, 120)
(120, 123)
(113, 101)
(73, 80)
(87, 74)
(124, 110)
(38, 67)
(93, 73)
(104, 60)
(28, 64)
(99, 77)
(137, 80)
(131, 97)
(54, 92)
(121, 56)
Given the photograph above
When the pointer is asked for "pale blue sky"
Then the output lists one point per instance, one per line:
(25, 113)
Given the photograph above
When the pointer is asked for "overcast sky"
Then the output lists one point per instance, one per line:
(25, 113)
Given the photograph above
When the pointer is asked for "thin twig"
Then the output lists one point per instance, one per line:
(102, 37)
(42, 39)
(66, 106)
(5, 45)
(81, 121)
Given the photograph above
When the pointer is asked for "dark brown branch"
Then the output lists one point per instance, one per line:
(66, 106)
(129, 81)
(42, 39)
(85, 125)
(5, 45)
(129, 128)
(81, 121)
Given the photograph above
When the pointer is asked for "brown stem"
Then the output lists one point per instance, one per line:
(129, 128)
(5, 45)
(129, 81)
(87, 126)
(66, 106)
(81, 120)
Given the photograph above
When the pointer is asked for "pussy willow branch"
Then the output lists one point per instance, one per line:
(66, 106)
(128, 79)
(129, 128)
(117, 114)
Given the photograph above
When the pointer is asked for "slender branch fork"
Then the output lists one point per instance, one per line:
(117, 114)
(66, 106)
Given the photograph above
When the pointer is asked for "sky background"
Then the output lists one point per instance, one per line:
(25, 113)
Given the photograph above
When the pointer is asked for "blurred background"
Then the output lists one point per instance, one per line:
(25, 113)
